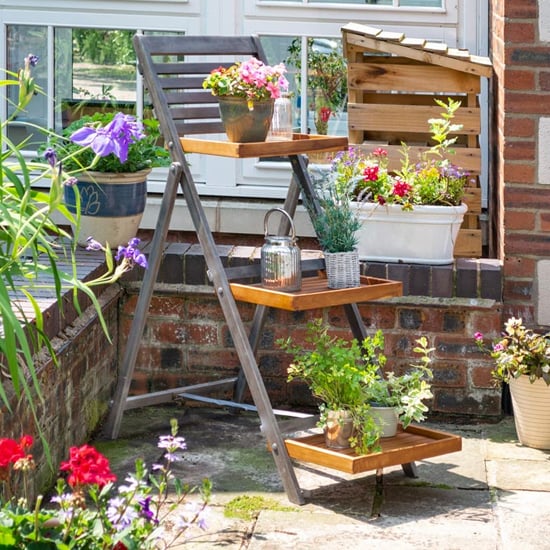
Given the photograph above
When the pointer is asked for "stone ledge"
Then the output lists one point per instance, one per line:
(184, 264)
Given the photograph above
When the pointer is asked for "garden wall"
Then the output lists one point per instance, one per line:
(76, 391)
(186, 340)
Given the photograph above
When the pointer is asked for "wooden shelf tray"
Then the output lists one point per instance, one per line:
(299, 144)
(414, 443)
(315, 293)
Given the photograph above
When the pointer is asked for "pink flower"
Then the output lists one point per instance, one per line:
(401, 188)
(371, 173)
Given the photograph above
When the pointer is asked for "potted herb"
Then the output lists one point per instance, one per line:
(336, 370)
(412, 214)
(336, 224)
(522, 358)
(348, 376)
(404, 394)
(246, 92)
(110, 155)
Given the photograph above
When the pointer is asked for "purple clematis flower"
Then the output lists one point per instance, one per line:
(114, 138)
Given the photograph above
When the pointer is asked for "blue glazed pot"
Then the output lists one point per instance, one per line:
(111, 206)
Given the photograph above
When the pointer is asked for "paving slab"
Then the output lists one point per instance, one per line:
(493, 494)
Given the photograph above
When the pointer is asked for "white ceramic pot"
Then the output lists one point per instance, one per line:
(386, 418)
(425, 235)
(531, 403)
(112, 206)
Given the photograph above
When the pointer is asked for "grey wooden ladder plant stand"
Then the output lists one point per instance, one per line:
(174, 81)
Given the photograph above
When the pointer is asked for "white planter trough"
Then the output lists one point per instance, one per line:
(425, 235)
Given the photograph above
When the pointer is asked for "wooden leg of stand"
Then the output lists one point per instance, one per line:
(114, 420)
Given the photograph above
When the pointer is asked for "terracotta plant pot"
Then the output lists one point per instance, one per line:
(245, 125)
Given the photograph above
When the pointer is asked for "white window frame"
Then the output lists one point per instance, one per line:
(226, 178)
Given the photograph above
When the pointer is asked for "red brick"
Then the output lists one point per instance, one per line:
(544, 221)
(481, 376)
(201, 334)
(519, 126)
(519, 32)
(518, 290)
(527, 244)
(519, 220)
(519, 150)
(519, 80)
(519, 173)
(544, 80)
(519, 267)
(526, 104)
(518, 9)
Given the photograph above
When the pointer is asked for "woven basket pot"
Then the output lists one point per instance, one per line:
(343, 269)
(531, 402)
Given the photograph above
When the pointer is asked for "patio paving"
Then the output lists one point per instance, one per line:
(493, 494)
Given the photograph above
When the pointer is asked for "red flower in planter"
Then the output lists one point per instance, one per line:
(87, 466)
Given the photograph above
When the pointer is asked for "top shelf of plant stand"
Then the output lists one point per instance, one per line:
(299, 144)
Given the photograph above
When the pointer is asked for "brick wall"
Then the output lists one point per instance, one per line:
(76, 391)
(521, 129)
(186, 340)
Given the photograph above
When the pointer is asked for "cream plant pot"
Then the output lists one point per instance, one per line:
(111, 205)
(531, 403)
(425, 235)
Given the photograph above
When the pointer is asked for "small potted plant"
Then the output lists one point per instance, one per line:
(522, 358)
(336, 370)
(400, 399)
(336, 224)
(246, 92)
(347, 376)
(110, 155)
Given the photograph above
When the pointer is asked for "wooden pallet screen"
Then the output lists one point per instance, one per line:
(392, 84)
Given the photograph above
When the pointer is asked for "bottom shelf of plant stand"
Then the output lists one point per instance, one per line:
(409, 445)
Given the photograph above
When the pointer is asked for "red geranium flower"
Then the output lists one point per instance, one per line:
(11, 451)
(401, 188)
(324, 114)
(371, 173)
(87, 466)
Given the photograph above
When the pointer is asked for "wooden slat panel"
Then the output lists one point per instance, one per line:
(468, 243)
(467, 158)
(406, 118)
(410, 78)
(200, 45)
(354, 35)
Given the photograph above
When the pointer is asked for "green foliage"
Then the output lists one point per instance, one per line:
(345, 374)
(104, 46)
(142, 154)
(31, 247)
(519, 352)
(335, 221)
(434, 180)
(248, 507)
(327, 73)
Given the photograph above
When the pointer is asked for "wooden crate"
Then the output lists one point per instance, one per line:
(392, 84)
